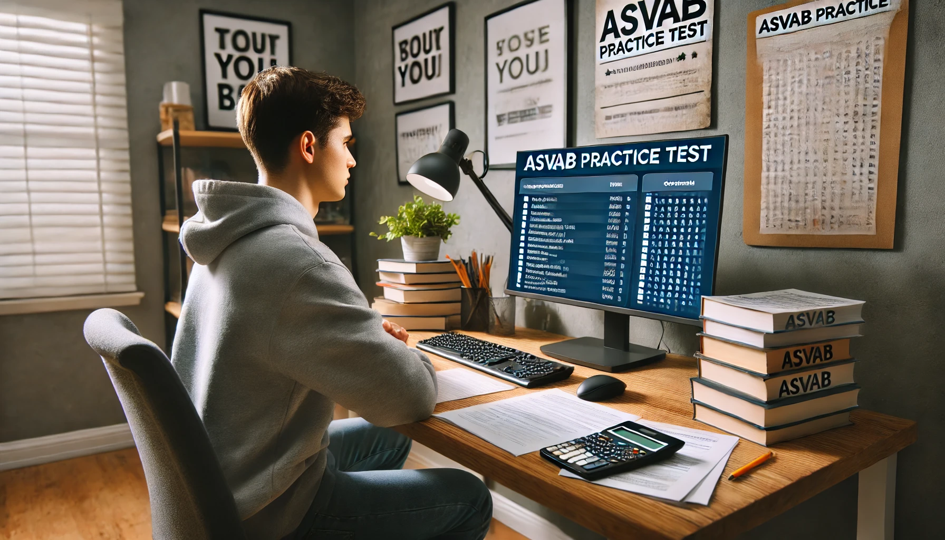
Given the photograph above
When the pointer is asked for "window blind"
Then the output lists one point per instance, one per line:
(65, 183)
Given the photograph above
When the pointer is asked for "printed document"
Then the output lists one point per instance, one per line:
(703, 491)
(675, 478)
(453, 384)
(528, 423)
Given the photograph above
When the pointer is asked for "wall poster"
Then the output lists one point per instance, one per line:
(420, 132)
(233, 49)
(423, 55)
(824, 109)
(653, 66)
(527, 70)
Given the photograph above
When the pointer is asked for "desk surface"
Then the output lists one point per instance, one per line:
(661, 392)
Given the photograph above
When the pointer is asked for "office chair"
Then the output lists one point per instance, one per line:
(189, 496)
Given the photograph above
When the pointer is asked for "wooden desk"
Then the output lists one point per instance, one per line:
(661, 392)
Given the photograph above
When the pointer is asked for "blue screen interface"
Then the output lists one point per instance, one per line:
(632, 226)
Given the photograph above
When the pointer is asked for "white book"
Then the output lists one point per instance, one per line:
(414, 267)
(409, 279)
(766, 340)
(778, 311)
(408, 296)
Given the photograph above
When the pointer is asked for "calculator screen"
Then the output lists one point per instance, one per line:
(637, 439)
(631, 226)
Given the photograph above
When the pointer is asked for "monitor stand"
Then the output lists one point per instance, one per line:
(613, 353)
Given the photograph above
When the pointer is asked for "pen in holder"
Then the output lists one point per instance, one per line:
(502, 315)
(474, 309)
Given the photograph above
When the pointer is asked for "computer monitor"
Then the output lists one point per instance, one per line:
(631, 229)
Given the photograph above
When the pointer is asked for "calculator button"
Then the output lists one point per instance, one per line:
(570, 455)
(592, 459)
(592, 466)
(551, 448)
(614, 460)
(580, 463)
(557, 452)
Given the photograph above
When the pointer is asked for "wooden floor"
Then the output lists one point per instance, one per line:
(101, 497)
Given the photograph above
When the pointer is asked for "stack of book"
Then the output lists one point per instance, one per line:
(421, 295)
(776, 366)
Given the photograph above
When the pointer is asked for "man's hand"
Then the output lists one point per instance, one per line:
(395, 330)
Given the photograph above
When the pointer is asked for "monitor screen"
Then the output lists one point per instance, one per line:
(631, 228)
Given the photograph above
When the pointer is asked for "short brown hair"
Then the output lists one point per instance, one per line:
(280, 103)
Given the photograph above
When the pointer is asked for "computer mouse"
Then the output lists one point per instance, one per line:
(600, 387)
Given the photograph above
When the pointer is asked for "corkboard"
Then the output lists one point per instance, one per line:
(889, 139)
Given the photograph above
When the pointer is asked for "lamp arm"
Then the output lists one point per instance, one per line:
(467, 168)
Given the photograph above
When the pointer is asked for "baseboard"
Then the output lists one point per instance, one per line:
(29, 452)
(511, 514)
(524, 521)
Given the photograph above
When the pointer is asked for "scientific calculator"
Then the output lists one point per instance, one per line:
(620, 448)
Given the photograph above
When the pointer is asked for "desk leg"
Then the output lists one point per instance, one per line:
(876, 501)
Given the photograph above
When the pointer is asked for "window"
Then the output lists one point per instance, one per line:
(65, 183)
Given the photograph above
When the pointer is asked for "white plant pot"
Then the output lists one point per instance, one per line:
(421, 249)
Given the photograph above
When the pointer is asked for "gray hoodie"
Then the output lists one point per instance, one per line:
(273, 332)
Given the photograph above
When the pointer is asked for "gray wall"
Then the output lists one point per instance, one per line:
(900, 372)
(50, 381)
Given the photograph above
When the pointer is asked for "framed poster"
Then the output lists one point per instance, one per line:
(826, 179)
(420, 132)
(528, 54)
(653, 66)
(423, 55)
(234, 48)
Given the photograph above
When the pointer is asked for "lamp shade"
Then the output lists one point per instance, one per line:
(437, 174)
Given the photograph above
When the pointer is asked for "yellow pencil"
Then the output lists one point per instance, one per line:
(754, 463)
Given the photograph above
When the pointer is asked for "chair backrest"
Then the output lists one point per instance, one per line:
(189, 495)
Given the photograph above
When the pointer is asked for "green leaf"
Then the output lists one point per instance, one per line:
(419, 219)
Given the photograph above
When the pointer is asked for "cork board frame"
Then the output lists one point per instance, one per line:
(889, 140)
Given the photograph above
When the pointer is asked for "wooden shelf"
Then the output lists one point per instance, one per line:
(173, 308)
(324, 229)
(328, 229)
(213, 139)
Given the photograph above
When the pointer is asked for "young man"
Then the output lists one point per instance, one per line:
(274, 331)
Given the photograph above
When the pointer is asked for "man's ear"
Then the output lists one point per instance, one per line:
(307, 144)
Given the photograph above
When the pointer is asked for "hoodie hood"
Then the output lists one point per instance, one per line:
(229, 211)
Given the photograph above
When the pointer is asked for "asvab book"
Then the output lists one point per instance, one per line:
(795, 382)
(767, 340)
(772, 435)
(778, 311)
(770, 361)
(778, 412)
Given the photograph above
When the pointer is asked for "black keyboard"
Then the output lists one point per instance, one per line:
(500, 361)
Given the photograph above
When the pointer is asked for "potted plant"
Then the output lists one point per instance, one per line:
(421, 227)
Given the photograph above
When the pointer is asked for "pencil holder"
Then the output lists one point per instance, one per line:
(502, 315)
(474, 309)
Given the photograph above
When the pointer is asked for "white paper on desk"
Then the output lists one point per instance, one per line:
(678, 476)
(453, 384)
(527, 423)
(702, 493)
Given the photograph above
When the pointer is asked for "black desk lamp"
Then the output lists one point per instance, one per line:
(437, 174)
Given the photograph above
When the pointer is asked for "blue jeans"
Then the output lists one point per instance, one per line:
(364, 494)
